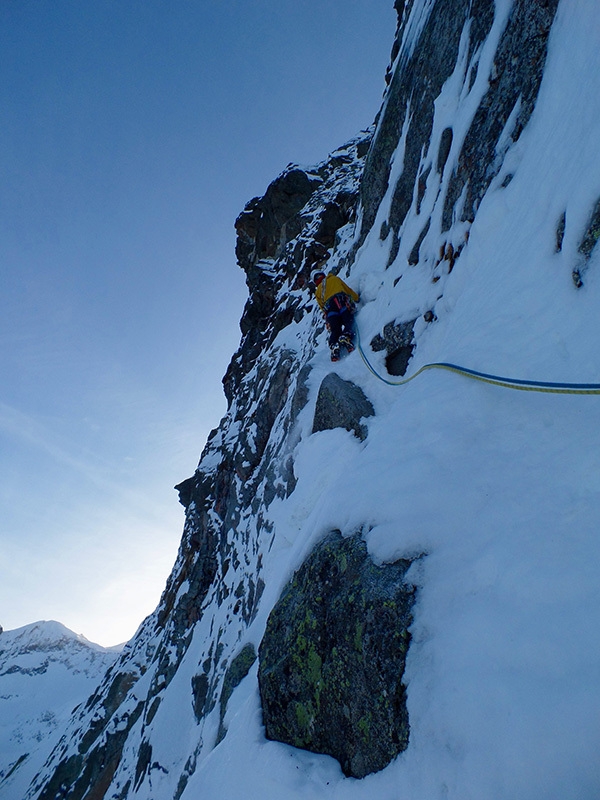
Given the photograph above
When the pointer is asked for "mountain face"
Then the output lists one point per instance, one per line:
(46, 670)
(381, 588)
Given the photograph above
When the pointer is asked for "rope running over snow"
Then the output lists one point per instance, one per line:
(495, 380)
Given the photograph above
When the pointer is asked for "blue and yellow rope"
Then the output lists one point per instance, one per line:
(495, 380)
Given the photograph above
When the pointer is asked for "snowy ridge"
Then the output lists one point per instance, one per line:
(498, 488)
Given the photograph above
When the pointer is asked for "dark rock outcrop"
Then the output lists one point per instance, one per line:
(560, 232)
(333, 654)
(415, 253)
(280, 238)
(592, 233)
(587, 244)
(341, 404)
(268, 222)
(398, 340)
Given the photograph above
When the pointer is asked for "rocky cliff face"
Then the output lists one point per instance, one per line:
(462, 89)
(216, 586)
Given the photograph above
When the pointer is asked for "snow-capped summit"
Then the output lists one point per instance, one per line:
(46, 636)
(46, 670)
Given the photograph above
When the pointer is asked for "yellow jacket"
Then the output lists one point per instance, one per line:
(331, 285)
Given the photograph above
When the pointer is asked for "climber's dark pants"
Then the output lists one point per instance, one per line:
(340, 318)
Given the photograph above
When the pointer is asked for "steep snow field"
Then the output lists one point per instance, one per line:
(45, 671)
(500, 488)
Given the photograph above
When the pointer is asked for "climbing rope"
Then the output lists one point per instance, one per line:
(495, 380)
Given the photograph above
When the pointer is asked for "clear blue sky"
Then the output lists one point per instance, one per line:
(131, 136)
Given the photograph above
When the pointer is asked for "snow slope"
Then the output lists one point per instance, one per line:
(45, 671)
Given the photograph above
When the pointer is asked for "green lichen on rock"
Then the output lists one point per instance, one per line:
(333, 655)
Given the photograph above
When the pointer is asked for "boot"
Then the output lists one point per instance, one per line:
(346, 340)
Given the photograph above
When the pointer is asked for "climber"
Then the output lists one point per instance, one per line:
(336, 300)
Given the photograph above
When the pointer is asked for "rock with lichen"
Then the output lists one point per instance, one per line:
(333, 654)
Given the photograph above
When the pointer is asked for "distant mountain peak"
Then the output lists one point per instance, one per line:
(46, 670)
